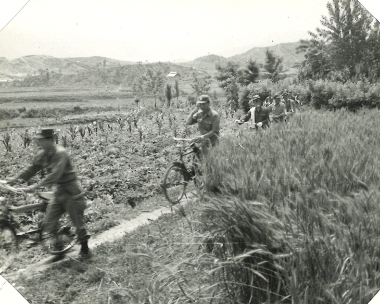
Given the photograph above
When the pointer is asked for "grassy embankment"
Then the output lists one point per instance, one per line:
(296, 220)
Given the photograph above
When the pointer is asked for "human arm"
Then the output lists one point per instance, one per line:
(58, 167)
(244, 118)
(190, 119)
(29, 172)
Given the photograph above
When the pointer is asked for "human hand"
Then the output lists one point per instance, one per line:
(29, 189)
(199, 139)
(259, 124)
(198, 114)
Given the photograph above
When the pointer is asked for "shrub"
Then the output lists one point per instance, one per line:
(8, 114)
(244, 100)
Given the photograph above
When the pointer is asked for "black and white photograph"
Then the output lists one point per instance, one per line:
(177, 152)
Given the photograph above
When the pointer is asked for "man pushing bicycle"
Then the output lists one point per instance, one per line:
(68, 195)
(208, 122)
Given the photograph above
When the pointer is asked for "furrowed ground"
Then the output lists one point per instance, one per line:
(291, 213)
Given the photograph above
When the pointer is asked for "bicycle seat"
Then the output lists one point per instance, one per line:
(46, 195)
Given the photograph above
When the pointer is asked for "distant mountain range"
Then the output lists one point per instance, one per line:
(34, 64)
(89, 67)
(285, 50)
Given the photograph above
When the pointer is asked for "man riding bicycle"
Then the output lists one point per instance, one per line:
(68, 195)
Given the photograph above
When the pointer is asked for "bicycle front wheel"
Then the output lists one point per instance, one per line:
(174, 184)
(59, 243)
(8, 245)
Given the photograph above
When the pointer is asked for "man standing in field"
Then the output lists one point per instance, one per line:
(278, 109)
(68, 195)
(288, 102)
(208, 122)
(257, 115)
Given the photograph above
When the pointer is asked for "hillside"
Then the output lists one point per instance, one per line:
(285, 50)
(122, 75)
(37, 70)
(37, 64)
(206, 63)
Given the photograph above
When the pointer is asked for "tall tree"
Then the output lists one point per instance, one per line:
(273, 64)
(168, 93)
(249, 73)
(227, 74)
(201, 85)
(153, 82)
(138, 88)
(176, 88)
(244, 100)
(317, 64)
(347, 29)
(349, 43)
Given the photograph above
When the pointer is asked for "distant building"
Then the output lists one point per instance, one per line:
(172, 77)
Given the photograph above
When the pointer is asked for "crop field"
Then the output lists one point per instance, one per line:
(290, 214)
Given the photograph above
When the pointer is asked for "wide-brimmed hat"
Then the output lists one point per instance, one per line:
(203, 99)
(45, 133)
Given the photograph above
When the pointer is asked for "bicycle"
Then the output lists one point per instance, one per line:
(10, 237)
(178, 176)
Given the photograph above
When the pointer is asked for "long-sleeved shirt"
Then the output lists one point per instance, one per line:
(206, 123)
(261, 115)
(57, 164)
(278, 112)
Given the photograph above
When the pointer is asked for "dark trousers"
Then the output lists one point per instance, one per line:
(67, 198)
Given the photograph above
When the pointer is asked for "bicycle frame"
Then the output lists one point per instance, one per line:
(181, 164)
(7, 212)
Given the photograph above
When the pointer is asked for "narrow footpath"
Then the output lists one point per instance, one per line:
(110, 235)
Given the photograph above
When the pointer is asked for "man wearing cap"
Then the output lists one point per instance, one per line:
(208, 122)
(257, 115)
(278, 109)
(68, 195)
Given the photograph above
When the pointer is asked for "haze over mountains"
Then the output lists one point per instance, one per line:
(34, 65)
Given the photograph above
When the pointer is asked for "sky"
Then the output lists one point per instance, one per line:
(155, 30)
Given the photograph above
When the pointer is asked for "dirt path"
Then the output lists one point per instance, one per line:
(110, 235)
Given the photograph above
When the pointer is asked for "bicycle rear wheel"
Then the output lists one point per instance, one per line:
(8, 245)
(174, 184)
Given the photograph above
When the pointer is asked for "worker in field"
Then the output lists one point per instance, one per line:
(278, 113)
(258, 115)
(208, 121)
(68, 195)
(289, 103)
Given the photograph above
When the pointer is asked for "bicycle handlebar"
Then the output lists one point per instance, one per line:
(4, 186)
(184, 139)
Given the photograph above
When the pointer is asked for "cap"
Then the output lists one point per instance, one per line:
(45, 133)
(203, 99)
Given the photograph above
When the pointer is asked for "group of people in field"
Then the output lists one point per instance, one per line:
(69, 196)
(261, 113)
(273, 109)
